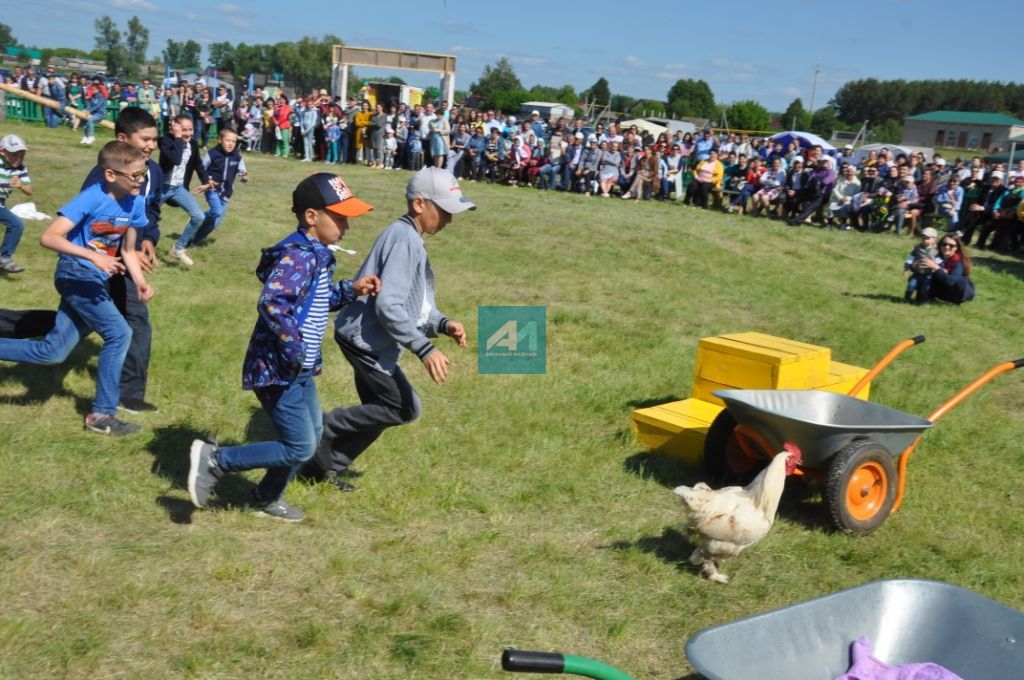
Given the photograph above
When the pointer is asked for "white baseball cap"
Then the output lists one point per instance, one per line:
(13, 144)
(441, 187)
(535, 112)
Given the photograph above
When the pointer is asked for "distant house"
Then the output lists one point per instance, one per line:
(961, 129)
(548, 110)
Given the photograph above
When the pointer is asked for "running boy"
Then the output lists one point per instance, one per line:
(373, 331)
(223, 164)
(87, 234)
(284, 351)
(13, 175)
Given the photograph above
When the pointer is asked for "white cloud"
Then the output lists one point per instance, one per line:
(466, 51)
(191, 16)
(230, 8)
(635, 62)
(791, 91)
(134, 4)
(238, 22)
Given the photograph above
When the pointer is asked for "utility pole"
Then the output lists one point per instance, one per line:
(814, 88)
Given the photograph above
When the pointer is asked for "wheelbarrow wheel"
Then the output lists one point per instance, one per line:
(726, 460)
(861, 487)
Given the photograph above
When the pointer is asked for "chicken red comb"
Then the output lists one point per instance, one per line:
(794, 449)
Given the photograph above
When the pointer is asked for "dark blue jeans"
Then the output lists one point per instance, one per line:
(12, 237)
(295, 410)
(85, 306)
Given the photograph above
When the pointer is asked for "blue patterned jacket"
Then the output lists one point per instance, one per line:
(289, 271)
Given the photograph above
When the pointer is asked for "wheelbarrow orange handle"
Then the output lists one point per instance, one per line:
(943, 410)
(883, 362)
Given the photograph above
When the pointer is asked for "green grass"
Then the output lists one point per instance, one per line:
(518, 511)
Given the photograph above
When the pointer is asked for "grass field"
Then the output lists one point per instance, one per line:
(518, 511)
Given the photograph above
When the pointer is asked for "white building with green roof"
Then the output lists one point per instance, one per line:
(961, 130)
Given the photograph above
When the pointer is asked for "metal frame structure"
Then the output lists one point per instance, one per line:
(347, 55)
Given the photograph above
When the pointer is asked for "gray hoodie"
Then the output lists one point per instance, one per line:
(404, 313)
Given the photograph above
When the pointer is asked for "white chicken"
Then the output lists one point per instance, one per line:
(727, 520)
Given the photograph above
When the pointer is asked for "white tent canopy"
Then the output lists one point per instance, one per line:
(861, 152)
(642, 124)
(804, 139)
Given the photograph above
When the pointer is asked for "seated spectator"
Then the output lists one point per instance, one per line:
(951, 280)
(792, 190)
(950, 198)
(772, 181)
(751, 183)
(818, 188)
(980, 211)
(841, 207)
(707, 178)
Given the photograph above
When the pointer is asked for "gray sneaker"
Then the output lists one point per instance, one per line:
(10, 266)
(203, 472)
(108, 424)
(277, 510)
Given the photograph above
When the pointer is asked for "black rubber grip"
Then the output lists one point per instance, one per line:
(1018, 363)
(532, 662)
(918, 339)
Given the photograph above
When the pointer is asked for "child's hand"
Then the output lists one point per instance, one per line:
(15, 182)
(457, 332)
(107, 264)
(148, 259)
(145, 292)
(437, 364)
(368, 285)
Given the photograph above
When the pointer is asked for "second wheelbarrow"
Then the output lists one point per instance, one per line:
(862, 449)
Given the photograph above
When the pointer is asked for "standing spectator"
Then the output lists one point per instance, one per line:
(377, 130)
(55, 90)
(97, 110)
(76, 96)
(148, 98)
(361, 137)
(222, 109)
(332, 135)
(13, 175)
(282, 127)
(309, 117)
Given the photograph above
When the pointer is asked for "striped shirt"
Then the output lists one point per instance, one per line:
(6, 174)
(315, 323)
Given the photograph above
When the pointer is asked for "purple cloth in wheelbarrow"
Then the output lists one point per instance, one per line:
(867, 667)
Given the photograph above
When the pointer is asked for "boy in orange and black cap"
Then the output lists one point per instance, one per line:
(284, 352)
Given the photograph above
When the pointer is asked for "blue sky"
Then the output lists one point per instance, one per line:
(765, 51)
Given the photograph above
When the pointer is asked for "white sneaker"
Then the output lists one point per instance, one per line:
(85, 140)
(180, 255)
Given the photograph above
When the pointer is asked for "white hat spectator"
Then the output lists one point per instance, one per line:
(511, 119)
(578, 135)
(535, 112)
(999, 174)
(798, 159)
(848, 146)
(940, 162)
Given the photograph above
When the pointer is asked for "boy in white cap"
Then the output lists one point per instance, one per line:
(13, 175)
(372, 332)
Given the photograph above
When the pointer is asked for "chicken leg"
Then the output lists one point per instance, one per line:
(707, 566)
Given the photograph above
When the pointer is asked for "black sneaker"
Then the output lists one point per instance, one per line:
(130, 405)
(277, 510)
(107, 424)
(203, 472)
(337, 480)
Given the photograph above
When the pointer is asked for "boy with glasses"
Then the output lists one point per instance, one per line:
(87, 234)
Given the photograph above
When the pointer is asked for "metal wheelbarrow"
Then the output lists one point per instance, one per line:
(860, 448)
(908, 621)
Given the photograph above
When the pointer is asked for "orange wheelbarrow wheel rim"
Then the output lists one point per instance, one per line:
(867, 491)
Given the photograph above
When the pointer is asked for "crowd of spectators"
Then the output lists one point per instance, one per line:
(741, 173)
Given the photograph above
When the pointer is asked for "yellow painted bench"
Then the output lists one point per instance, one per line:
(738, 361)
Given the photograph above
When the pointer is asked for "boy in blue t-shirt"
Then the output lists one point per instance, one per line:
(87, 234)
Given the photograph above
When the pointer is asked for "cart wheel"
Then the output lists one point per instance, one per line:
(861, 487)
(727, 460)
